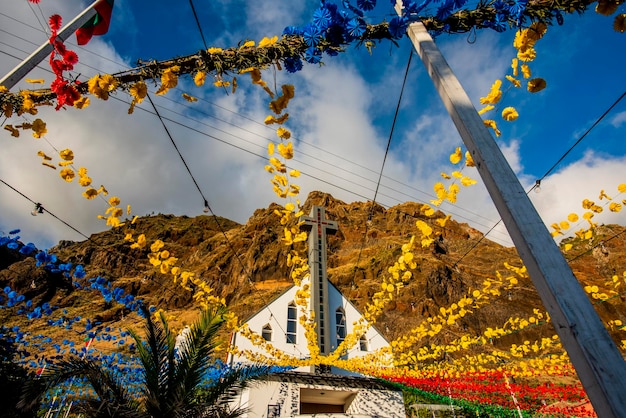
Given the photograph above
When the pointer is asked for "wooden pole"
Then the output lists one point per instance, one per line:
(23, 68)
(596, 358)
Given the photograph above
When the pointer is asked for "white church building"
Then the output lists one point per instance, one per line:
(317, 391)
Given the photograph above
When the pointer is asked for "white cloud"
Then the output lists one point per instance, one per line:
(563, 192)
(618, 120)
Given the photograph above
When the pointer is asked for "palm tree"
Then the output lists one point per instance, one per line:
(172, 376)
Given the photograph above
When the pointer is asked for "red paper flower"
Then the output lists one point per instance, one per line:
(70, 57)
(55, 22)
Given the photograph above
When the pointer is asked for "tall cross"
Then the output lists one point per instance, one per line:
(319, 227)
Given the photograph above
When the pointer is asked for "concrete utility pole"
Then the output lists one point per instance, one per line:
(596, 358)
(23, 68)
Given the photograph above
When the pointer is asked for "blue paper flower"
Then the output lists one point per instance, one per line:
(313, 55)
(366, 4)
(397, 27)
(311, 34)
(322, 18)
(356, 27)
(293, 65)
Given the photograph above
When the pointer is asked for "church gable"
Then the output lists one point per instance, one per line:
(278, 322)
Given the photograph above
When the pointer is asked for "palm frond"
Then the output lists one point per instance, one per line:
(196, 351)
(104, 383)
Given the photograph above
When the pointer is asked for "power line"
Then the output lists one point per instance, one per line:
(598, 120)
(193, 9)
(205, 201)
(382, 168)
(39, 207)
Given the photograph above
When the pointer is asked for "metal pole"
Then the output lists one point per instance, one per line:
(23, 68)
(597, 360)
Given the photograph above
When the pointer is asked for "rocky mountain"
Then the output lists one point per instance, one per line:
(246, 265)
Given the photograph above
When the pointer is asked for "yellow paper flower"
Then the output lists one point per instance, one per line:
(469, 161)
(84, 181)
(492, 124)
(221, 83)
(527, 54)
(82, 103)
(169, 79)
(283, 133)
(265, 42)
(141, 242)
(39, 128)
(101, 86)
(14, 132)
(467, 181)
(456, 156)
(606, 7)
(248, 44)
(199, 78)
(280, 120)
(509, 114)
(536, 84)
(189, 98)
(139, 91)
(615, 207)
(214, 50)
(486, 109)
(67, 154)
(514, 66)
(619, 24)
(114, 201)
(513, 81)
(495, 94)
(526, 71)
(286, 151)
(67, 174)
(90, 193)
(536, 31)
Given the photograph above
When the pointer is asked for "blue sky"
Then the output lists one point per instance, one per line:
(341, 118)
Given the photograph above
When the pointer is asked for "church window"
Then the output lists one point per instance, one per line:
(363, 345)
(292, 321)
(266, 333)
(340, 320)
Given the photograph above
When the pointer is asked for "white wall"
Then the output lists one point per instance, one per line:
(369, 402)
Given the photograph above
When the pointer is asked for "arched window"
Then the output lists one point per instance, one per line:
(266, 333)
(292, 322)
(340, 320)
(363, 345)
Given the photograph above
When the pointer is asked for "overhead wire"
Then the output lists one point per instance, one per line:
(195, 15)
(39, 205)
(579, 140)
(382, 168)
